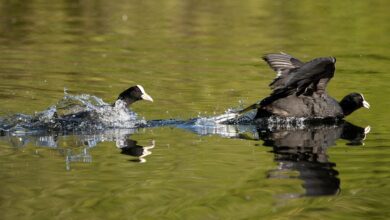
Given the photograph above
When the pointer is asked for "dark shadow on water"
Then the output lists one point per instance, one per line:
(301, 150)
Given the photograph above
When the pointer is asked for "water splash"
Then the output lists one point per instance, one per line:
(220, 123)
(73, 113)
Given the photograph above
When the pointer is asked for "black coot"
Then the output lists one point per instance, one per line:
(125, 99)
(299, 90)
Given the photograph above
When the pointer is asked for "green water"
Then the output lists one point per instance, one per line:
(194, 58)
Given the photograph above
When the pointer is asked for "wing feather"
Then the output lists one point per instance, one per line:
(312, 76)
(283, 64)
(279, 62)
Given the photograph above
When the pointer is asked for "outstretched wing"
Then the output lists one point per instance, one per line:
(282, 64)
(282, 61)
(313, 75)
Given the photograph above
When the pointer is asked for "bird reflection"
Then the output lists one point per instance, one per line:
(76, 148)
(131, 148)
(305, 151)
(301, 150)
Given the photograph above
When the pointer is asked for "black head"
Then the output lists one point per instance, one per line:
(352, 102)
(134, 94)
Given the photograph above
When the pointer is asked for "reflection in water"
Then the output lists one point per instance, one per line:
(302, 150)
(297, 149)
(80, 144)
(83, 157)
(130, 147)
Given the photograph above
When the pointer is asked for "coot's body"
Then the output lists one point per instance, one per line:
(299, 90)
(314, 106)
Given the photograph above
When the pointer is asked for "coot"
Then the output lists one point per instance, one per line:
(125, 99)
(299, 90)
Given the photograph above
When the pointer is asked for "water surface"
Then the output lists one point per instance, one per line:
(195, 58)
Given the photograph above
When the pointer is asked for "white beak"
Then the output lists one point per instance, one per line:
(147, 97)
(366, 104)
(366, 131)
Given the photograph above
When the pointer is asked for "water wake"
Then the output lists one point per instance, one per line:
(88, 113)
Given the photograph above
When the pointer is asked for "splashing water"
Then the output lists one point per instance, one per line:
(119, 116)
(73, 113)
(87, 113)
(230, 117)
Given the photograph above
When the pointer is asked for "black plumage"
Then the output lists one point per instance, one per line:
(299, 90)
(296, 77)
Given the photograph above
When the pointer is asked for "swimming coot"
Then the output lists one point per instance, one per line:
(299, 90)
(313, 106)
(124, 100)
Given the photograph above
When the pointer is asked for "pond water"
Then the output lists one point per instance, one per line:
(196, 59)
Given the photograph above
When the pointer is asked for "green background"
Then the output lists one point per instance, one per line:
(193, 57)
